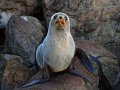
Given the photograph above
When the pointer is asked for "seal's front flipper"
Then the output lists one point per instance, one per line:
(34, 82)
(72, 71)
(45, 77)
(85, 60)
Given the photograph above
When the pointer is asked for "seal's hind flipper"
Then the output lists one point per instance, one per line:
(45, 77)
(85, 60)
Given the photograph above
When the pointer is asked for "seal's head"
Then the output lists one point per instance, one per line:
(60, 21)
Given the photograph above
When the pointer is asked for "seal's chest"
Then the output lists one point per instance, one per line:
(59, 61)
(60, 49)
(58, 56)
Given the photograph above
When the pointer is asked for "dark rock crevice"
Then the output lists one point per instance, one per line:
(2, 39)
(2, 67)
(38, 11)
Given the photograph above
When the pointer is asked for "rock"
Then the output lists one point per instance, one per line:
(109, 61)
(62, 82)
(2, 67)
(66, 81)
(23, 34)
(15, 73)
(117, 82)
(116, 16)
(18, 6)
(103, 33)
(85, 12)
(117, 86)
(117, 79)
(4, 17)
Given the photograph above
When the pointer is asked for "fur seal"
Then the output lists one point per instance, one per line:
(58, 49)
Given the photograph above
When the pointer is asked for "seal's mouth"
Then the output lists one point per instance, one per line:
(60, 23)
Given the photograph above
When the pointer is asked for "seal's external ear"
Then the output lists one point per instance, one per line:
(84, 59)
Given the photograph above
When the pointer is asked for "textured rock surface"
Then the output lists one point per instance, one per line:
(18, 6)
(15, 73)
(117, 82)
(4, 17)
(109, 62)
(22, 37)
(87, 15)
(2, 67)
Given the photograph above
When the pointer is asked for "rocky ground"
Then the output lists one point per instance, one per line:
(95, 26)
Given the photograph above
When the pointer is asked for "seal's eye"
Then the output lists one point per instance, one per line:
(65, 18)
(55, 16)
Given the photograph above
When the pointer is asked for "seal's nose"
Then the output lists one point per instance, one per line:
(60, 17)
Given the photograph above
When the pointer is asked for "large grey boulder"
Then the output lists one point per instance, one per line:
(4, 17)
(23, 34)
(87, 15)
(15, 72)
(2, 67)
(108, 60)
(18, 7)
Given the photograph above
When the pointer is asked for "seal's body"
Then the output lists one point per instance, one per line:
(58, 48)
